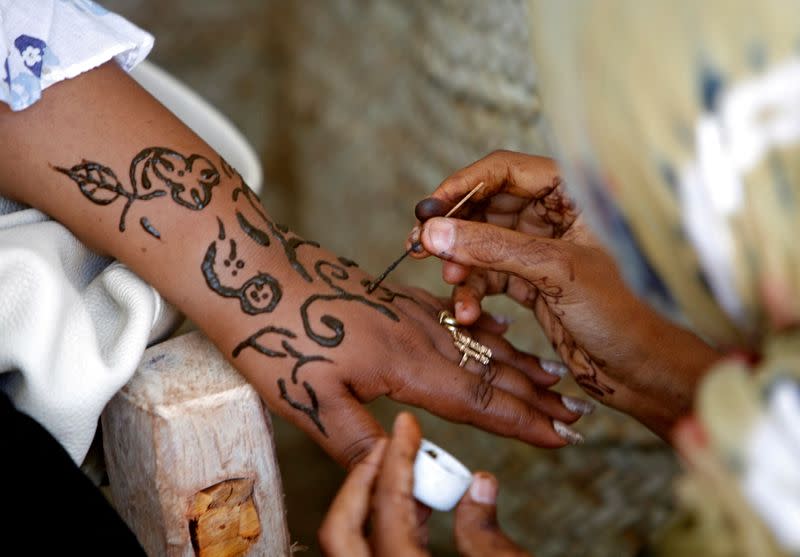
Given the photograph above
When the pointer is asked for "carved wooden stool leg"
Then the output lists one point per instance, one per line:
(191, 459)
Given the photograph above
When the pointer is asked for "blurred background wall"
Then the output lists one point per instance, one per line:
(358, 109)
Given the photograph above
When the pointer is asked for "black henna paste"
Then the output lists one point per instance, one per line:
(154, 172)
(149, 228)
(348, 263)
(189, 179)
(311, 411)
(254, 342)
(100, 185)
(256, 234)
(259, 294)
(331, 322)
(290, 246)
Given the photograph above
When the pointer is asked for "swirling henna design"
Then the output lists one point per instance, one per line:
(256, 234)
(290, 246)
(190, 180)
(259, 294)
(289, 242)
(333, 323)
(101, 186)
(251, 197)
(159, 171)
(253, 341)
(311, 411)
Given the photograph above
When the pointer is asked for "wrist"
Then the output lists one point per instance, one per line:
(668, 378)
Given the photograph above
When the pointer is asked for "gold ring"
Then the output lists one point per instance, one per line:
(469, 347)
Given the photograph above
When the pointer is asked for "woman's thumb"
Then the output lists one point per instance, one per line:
(479, 244)
(476, 530)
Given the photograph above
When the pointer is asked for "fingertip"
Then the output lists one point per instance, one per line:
(454, 273)
(376, 453)
(438, 237)
(414, 245)
(405, 422)
(484, 488)
(467, 310)
(430, 207)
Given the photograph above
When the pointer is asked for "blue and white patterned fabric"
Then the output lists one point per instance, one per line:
(73, 325)
(43, 42)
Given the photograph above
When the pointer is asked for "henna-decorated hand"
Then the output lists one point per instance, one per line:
(381, 485)
(317, 345)
(525, 238)
(294, 319)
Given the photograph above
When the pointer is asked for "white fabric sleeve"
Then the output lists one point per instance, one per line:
(43, 42)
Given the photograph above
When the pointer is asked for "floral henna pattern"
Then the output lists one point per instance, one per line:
(154, 172)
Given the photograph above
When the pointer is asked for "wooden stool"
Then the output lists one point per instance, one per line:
(191, 459)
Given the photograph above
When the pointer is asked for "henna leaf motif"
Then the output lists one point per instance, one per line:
(98, 183)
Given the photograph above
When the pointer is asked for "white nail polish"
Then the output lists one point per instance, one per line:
(554, 368)
(567, 433)
(503, 320)
(577, 405)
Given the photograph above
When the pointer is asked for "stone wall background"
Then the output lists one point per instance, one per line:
(358, 109)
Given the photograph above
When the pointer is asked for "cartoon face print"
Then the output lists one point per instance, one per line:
(226, 274)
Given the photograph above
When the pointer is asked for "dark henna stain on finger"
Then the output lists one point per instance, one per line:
(430, 207)
(555, 208)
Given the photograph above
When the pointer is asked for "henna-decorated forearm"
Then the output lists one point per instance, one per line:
(328, 284)
(244, 234)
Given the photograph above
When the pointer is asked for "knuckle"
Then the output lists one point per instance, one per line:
(387, 497)
(356, 451)
(328, 536)
(483, 392)
(483, 247)
(499, 154)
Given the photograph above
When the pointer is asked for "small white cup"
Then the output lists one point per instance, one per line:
(439, 479)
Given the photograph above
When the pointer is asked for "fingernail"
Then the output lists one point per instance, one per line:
(413, 237)
(441, 235)
(567, 433)
(459, 308)
(483, 490)
(554, 368)
(577, 405)
(504, 320)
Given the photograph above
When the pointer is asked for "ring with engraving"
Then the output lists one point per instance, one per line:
(468, 346)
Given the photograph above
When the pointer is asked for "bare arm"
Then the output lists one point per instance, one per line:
(101, 156)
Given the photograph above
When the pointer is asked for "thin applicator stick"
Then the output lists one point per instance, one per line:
(377, 282)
